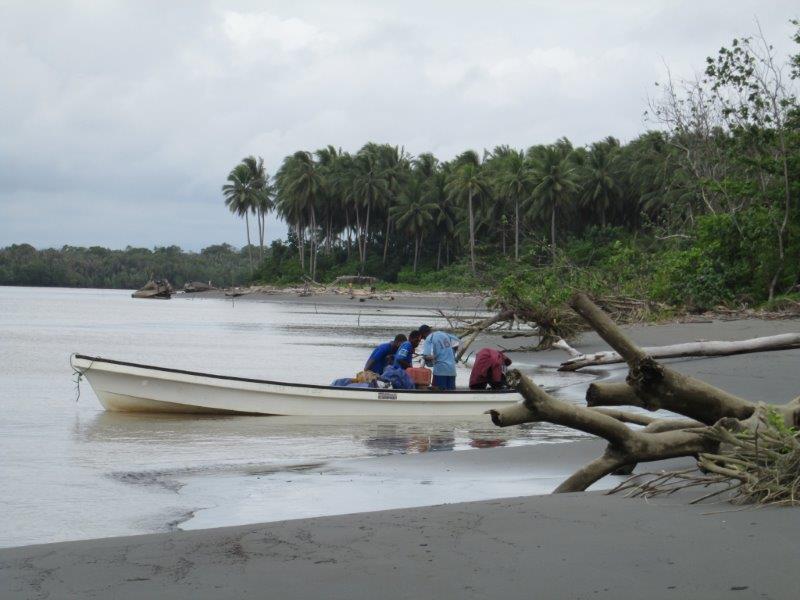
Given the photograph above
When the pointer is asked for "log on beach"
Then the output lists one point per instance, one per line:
(784, 341)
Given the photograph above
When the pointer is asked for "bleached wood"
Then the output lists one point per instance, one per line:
(783, 341)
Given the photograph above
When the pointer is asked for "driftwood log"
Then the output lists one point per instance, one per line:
(784, 341)
(709, 412)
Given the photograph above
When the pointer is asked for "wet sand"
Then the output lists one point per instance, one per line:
(567, 546)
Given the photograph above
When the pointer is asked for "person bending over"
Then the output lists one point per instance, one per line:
(405, 353)
(489, 370)
(378, 360)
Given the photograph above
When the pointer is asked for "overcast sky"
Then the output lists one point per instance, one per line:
(119, 121)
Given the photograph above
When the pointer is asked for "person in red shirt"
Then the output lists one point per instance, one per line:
(489, 370)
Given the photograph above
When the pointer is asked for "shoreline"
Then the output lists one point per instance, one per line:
(567, 546)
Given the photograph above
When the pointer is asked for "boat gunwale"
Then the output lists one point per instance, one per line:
(94, 359)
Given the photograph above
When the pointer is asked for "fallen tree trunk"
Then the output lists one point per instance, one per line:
(716, 418)
(784, 341)
(626, 446)
(657, 386)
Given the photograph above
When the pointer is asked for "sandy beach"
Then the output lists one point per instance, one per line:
(567, 546)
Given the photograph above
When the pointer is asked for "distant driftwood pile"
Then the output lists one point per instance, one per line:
(155, 288)
(752, 450)
(192, 287)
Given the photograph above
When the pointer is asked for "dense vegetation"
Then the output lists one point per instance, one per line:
(22, 264)
(702, 211)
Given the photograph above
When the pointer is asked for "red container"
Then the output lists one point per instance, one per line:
(421, 376)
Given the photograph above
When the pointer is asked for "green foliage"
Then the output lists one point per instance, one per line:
(729, 259)
(690, 278)
(456, 277)
(131, 268)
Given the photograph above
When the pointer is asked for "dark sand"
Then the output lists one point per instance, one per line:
(567, 546)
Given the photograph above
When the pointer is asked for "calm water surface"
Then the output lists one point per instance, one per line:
(71, 471)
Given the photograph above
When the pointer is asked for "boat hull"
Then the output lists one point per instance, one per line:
(130, 387)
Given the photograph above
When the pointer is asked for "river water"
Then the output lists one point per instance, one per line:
(69, 470)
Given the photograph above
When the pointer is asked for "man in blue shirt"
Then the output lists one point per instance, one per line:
(440, 351)
(378, 360)
(405, 354)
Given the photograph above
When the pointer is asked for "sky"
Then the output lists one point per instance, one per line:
(119, 121)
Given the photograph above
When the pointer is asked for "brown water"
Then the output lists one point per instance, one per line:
(69, 470)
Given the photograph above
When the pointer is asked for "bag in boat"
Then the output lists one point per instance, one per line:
(365, 377)
(397, 378)
(352, 383)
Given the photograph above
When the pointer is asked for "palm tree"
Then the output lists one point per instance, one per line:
(428, 172)
(370, 187)
(395, 165)
(264, 201)
(425, 165)
(328, 160)
(299, 187)
(600, 187)
(516, 182)
(468, 183)
(238, 195)
(555, 180)
(414, 214)
(262, 195)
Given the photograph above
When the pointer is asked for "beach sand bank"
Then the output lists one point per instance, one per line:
(566, 546)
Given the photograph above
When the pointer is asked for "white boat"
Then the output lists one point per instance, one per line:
(130, 387)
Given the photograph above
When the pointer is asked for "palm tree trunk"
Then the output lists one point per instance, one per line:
(553, 231)
(472, 235)
(249, 248)
(260, 222)
(312, 260)
(330, 234)
(347, 228)
(386, 240)
(439, 255)
(264, 225)
(516, 229)
(416, 252)
(300, 245)
(366, 235)
(359, 235)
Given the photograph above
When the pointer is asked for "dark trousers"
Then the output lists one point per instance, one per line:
(444, 382)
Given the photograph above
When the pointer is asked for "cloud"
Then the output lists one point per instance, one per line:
(121, 119)
(262, 32)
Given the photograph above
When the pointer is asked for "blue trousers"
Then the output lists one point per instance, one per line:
(444, 382)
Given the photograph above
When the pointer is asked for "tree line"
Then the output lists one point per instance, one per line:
(725, 150)
(96, 267)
